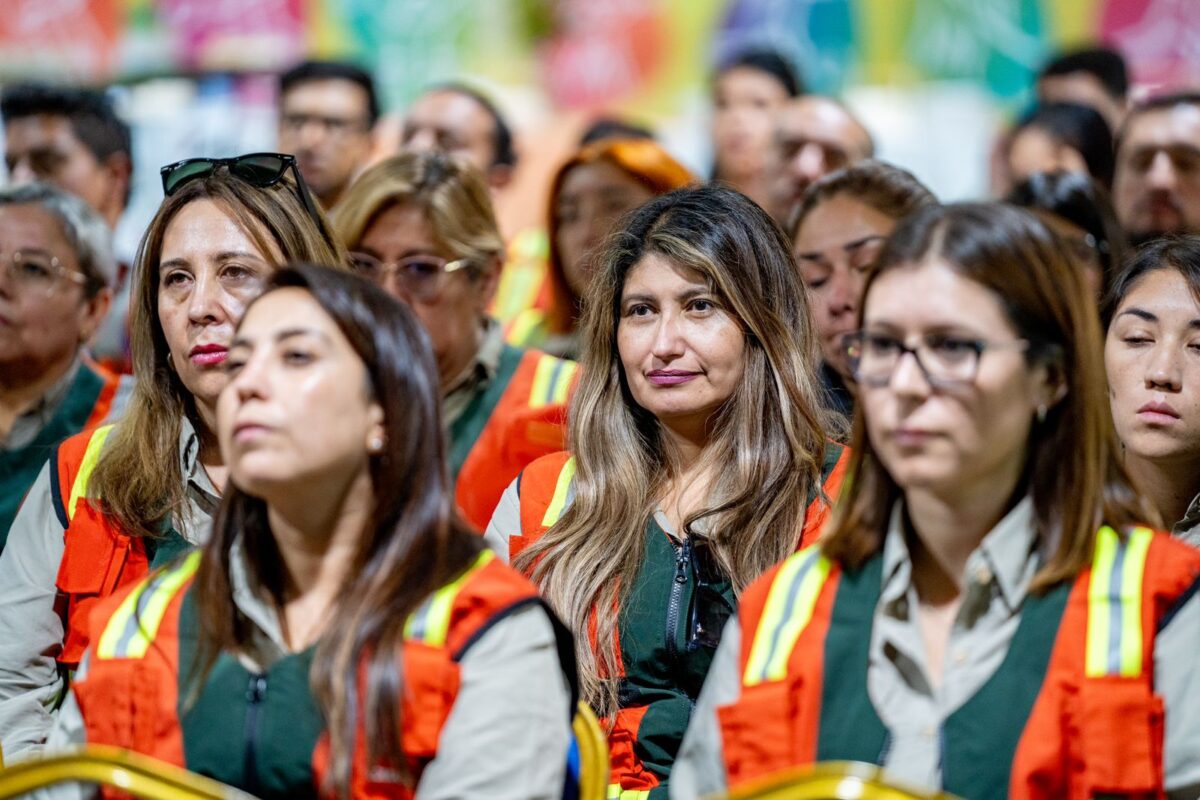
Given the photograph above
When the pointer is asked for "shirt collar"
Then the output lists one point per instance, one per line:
(189, 458)
(486, 363)
(1007, 557)
(1188, 528)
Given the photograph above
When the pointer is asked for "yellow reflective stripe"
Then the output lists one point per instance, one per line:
(551, 381)
(615, 792)
(524, 326)
(133, 627)
(559, 501)
(91, 455)
(789, 607)
(431, 622)
(1114, 626)
(517, 291)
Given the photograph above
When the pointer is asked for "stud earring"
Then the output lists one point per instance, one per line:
(376, 444)
(1041, 412)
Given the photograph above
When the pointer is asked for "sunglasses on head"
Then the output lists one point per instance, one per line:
(257, 169)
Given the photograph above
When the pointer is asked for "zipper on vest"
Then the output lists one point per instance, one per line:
(256, 692)
(682, 556)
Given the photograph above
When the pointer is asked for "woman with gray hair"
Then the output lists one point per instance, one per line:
(56, 274)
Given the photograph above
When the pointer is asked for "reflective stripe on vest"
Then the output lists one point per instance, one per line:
(91, 456)
(562, 488)
(551, 382)
(787, 612)
(1114, 618)
(616, 793)
(135, 623)
(430, 623)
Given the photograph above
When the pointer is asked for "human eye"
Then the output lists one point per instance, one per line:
(422, 268)
(952, 348)
(639, 309)
(297, 356)
(702, 305)
(32, 268)
(1137, 339)
(176, 279)
(880, 344)
(235, 362)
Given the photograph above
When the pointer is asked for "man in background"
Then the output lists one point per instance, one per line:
(327, 115)
(1096, 77)
(1156, 189)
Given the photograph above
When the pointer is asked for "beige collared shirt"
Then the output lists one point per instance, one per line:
(31, 630)
(997, 580)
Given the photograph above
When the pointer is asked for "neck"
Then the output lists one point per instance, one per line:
(1170, 486)
(948, 528)
(317, 529)
(210, 450)
(690, 473)
(453, 366)
(18, 394)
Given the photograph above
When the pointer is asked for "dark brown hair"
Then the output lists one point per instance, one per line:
(886, 188)
(412, 545)
(1073, 472)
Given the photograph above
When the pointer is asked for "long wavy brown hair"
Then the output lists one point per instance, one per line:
(412, 545)
(1073, 470)
(769, 437)
(138, 479)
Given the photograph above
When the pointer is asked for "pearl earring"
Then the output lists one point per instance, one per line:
(1041, 412)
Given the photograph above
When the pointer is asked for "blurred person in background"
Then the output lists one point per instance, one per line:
(56, 275)
(1157, 185)
(1077, 209)
(840, 227)
(591, 191)
(112, 503)
(1096, 77)
(421, 225)
(73, 139)
(1061, 137)
(327, 116)
(606, 127)
(1152, 315)
(814, 136)
(748, 91)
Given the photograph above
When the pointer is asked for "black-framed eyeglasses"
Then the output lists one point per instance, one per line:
(710, 607)
(257, 169)
(420, 276)
(944, 359)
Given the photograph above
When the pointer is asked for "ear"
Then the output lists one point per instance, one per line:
(499, 176)
(486, 282)
(92, 312)
(1051, 385)
(120, 172)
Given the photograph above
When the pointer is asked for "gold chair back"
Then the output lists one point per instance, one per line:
(835, 780)
(593, 754)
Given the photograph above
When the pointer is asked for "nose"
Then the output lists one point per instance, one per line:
(1162, 172)
(668, 341)
(422, 141)
(22, 173)
(1163, 371)
(204, 303)
(842, 298)
(809, 162)
(251, 380)
(908, 379)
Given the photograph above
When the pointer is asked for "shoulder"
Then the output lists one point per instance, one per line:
(151, 594)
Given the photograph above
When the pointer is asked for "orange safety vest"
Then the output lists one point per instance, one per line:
(523, 295)
(98, 557)
(130, 694)
(527, 422)
(544, 491)
(1094, 724)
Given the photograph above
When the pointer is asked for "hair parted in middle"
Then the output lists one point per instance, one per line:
(769, 437)
(451, 192)
(1073, 470)
(138, 475)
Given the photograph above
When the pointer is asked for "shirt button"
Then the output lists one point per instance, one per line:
(983, 576)
(928, 733)
(960, 657)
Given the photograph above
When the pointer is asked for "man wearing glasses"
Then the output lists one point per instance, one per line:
(327, 115)
(56, 275)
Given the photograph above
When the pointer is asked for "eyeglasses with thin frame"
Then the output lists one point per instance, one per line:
(420, 276)
(944, 359)
(39, 274)
(258, 169)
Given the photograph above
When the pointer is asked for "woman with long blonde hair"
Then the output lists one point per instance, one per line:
(700, 456)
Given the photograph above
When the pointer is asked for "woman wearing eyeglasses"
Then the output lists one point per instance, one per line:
(342, 634)
(987, 613)
(422, 227)
(112, 503)
(701, 456)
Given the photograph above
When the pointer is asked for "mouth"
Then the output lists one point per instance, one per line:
(670, 377)
(208, 355)
(911, 437)
(247, 431)
(1157, 413)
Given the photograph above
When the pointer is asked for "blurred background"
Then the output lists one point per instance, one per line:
(934, 80)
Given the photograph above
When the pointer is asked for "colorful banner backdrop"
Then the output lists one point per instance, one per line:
(628, 54)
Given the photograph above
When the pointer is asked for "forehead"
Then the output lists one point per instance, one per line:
(285, 309)
(451, 111)
(838, 220)
(326, 96)
(816, 118)
(400, 225)
(1179, 124)
(204, 225)
(932, 294)
(1072, 86)
(40, 131)
(596, 176)
(1163, 291)
(27, 224)
(655, 273)
(750, 81)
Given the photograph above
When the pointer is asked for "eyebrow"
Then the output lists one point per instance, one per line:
(225, 255)
(281, 336)
(1140, 313)
(817, 255)
(690, 294)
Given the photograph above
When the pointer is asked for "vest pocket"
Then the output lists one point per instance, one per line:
(1115, 739)
(759, 731)
(430, 686)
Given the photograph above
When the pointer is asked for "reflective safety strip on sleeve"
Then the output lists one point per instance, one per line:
(133, 627)
(561, 489)
(91, 455)
(790, 603)
(1114, 617)
(551, 381)
(615, 792)
(430, 623)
